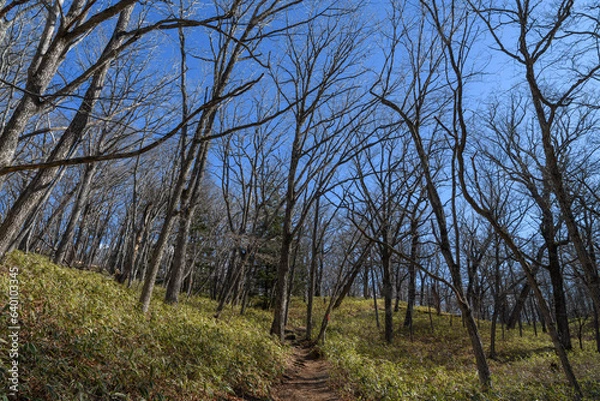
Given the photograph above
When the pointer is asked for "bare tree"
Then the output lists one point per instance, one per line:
(485, 205)
(549, 37)
(513, 151)
(440, 32)
(34, 191)
(388, 183)
(317, 77)
(238, 38)
(250, 187)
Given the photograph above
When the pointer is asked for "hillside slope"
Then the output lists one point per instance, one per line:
(82, 337)
(436, 362)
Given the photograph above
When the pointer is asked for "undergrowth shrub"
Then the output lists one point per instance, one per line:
(83, 337)
(437, 363)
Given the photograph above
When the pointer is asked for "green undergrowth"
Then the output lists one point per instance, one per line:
(437, 363)
(82, 337)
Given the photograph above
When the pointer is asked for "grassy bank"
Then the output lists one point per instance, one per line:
(82, 337)
(437, 362)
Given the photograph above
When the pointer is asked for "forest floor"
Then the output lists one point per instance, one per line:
(69, 318)
(307, 375)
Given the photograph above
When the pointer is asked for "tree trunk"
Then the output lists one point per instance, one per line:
(412, 295)
(189, 206)
(281, 288)
(81, 199)
(399, 281)
(374, 291)
(312, 271)
(365, 283)
(194, 154)
(555, 176)
(151, 271)
(560, 303)
(29, 225)
(42, 69)
(32, 194)
(356, 269)
(291, 278)
(236, 275)
(386, 261)
(483, 369)
(137, 235)
(493, 353)
(283, 268)
(518, 308)
(99, 234)
(179, 260)
(548, 231)
(445, 245)
(596, 327)
(224, 65)
(412, 274)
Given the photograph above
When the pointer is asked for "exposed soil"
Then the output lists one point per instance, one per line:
(306, 378)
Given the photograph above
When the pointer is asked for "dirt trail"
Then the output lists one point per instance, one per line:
(306, 378)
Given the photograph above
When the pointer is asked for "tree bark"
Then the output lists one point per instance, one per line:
(189, 203)
(40, 73)
(412, 274)
(281, 288)
(30, 196)
(312, 274)
(386, 262)
(80, 201)
(519, 306)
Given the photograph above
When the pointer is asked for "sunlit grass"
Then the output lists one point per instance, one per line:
(437, 363)
(83, 337)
